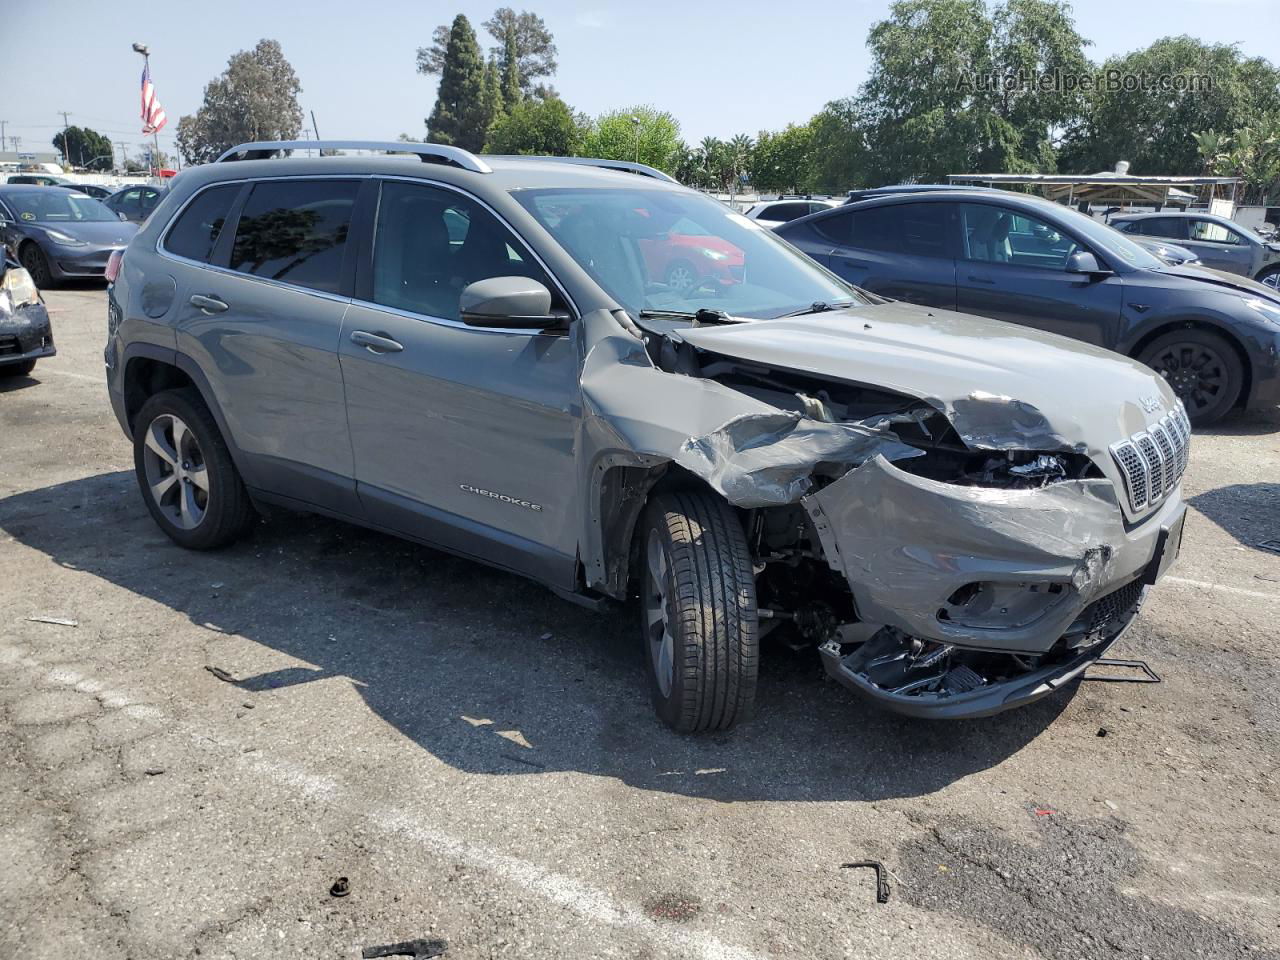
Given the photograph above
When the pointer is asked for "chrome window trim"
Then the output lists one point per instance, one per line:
(576, 313)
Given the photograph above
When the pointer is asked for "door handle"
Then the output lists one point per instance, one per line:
(208, 304)
(974, 279)
(375, 342)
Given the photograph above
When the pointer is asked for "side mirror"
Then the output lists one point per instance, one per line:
(1084, 262)
(508, 302)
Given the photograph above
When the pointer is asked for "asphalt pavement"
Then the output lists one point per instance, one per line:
(480, 760)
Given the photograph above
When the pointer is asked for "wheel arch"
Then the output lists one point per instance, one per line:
(1149, 336)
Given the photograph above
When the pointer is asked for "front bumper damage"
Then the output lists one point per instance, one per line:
(26, 334)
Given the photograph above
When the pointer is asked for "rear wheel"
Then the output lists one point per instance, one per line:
(186, 474)
(681, 277)
(17, 369)
(1203, 370)
(698, 603)
(36, 264)
(1270, 278)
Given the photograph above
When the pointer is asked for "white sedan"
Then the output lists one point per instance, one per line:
(771, 213)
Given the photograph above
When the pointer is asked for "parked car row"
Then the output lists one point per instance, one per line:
(58, 234)
(1019, 258)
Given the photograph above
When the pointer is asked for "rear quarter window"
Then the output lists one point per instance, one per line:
(195, 233)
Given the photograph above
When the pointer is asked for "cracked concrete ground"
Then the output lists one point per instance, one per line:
(480, 760)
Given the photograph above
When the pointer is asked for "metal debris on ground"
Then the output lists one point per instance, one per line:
(341, 887)
(417, 949)
(1272, 545)
(1151, 675)
(1102, 731)
(221, 674)
(153, 771)
(882, 877)
(57, 621)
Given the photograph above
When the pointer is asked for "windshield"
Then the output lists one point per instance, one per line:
(666, 250)
(1109, 239)
(53, 205)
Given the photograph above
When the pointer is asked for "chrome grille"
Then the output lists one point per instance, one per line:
(1152, 462)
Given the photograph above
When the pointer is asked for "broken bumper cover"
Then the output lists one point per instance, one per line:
(985, 701)
(979, 568)
(26, 334)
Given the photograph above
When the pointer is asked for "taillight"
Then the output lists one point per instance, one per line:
(113, 265)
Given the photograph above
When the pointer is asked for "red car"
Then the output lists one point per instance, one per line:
(685, 258)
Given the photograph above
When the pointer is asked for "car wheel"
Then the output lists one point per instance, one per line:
(17, 369)
(681, 277)
(1203, 370)
(186, 474)
(698, 608)
(1270, 278)
(34, 261)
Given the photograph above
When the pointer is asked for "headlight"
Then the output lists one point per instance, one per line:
(57, 236)
(1268, 310)
(18, 287)
(714, 254)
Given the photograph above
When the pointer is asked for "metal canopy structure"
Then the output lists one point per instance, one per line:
(1111, 189)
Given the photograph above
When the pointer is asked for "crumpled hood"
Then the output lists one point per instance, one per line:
(1231, 282)
(1002, 386)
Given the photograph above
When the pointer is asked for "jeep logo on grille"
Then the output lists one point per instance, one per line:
(492, 495)
(1151, 404)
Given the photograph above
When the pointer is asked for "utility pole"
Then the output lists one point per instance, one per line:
(124, 154)
(66, 147)
(2, 126)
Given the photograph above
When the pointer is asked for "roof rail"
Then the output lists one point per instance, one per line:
(625, 166)
(427, 152)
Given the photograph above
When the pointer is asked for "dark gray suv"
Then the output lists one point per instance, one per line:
(484, 354)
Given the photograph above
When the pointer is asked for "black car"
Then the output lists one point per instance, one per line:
(135, 203)
(1215, 337)
(25, 333)
(91, 190)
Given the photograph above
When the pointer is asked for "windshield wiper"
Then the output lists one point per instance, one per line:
(818, 306)
(701, 315)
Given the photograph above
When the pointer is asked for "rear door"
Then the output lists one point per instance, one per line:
(903, 251)
(1220, 246)
(262, 321)
(463, 436)
(1013, 267)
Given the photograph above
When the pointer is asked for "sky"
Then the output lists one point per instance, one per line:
(719, 68)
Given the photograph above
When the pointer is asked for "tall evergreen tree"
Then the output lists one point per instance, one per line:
(511, 91)
(494, 108)
(458, 117)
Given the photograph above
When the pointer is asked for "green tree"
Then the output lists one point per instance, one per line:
(491, 97)
(783, 161)
(535, 48)
(1153, 128)
(458, 117)
(547, 128)
(644, 133)
(255, 98)
(84, 148)
(511, 90)
(1251, 153)
(840, 151)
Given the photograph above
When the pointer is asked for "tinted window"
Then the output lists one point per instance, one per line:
(295, 231)
(1170, 228)
(430, 243)
(837, 228)
(785, 211)
(918, 229)
(1001, 235)
(198, 226)
(924, 228)
(1213, 232)
(129, 202)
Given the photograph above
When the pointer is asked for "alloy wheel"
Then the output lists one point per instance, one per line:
(1196, 373)
(657, 626)
(1272, 280)
(177, 479)
(681, 278)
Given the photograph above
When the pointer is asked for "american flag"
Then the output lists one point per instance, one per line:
(153, 117)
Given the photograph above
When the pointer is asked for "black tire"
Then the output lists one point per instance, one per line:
(17, 369)
(707, 603)
(1202, 368)
(1270, 276)
(34, 261)
(226, 511)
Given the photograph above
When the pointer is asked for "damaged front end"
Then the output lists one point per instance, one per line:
(949, 554)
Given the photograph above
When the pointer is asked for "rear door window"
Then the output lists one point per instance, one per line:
(295, 231)
(1170, 228)
(196, 230)
(785, 211)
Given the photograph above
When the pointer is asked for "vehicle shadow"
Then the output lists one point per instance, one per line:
(1244, 423)
(495, 675)
(1250, 512)
(11, 384)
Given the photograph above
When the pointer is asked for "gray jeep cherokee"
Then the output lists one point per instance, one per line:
(486, 354)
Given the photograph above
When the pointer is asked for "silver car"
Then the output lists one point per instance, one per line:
(1218, 242)
(59, 234)
(959, 515)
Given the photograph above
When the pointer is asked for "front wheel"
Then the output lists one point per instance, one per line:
(698, 603)
(186, 474)
(36, 263)
(1203, 370)
(1270, 278)
(17, 369)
